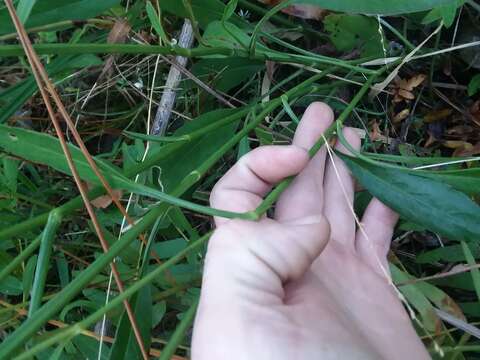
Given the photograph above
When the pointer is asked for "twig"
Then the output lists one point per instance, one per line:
(168, 98)
(40, 75)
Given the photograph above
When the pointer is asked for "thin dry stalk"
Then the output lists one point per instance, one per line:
(41, 75)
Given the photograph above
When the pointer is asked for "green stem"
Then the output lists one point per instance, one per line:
(179, 332)
(263, 20)
(73, 49)
(33, 201)
(43, 262)
(398, 34)
(90, 320)
(60, 24)
(48, 310)
(20, 258)
(273, 196)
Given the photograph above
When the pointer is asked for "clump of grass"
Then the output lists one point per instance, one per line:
(248, 77)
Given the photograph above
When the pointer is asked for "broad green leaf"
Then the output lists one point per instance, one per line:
(465, 180)
(11, 286)
(193, 154)
(446, 13)
(380, 7)
(425, 201)
(24, 8)
(89, 348)
(45, 149)
(349, 32)
(168, 248)
(51, 11)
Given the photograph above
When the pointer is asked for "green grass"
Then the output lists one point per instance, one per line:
(52, 269)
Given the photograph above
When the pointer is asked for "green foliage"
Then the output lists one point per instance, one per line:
(446, 13)
(350, 32)
(381, 7)
(156, 23)
(50, 11)
(421, 200)
(270, 67)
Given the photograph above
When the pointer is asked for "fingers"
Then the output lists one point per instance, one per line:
(304, 196)
(373, 243)
(258, 258)
(242, 188)
(339, 193)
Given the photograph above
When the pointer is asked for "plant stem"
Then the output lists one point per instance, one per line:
(48, 310)
(51, 49)
(179, 332)
(43, 262)
(398, 34)
(278, 190)
(162, 153)
(20, 258)
(60, 24)
(90, 320)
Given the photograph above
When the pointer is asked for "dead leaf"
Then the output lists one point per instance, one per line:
(403, 88)
(376, 133)
(472, 150)
(437, 115)
(455, 144)
(475, 112)
(402, 115)
(104, 201)
(301, 11)
(119, 32)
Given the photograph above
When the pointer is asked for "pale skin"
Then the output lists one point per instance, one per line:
(306, 284)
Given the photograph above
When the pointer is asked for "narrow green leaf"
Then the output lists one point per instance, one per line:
(51, 11)
(425, 201)
(475, 272)
(24, 8)
(125, 345)
(229, 10)
(380, 7)
(155, 21)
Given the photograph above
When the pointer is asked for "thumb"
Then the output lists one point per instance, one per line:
(258, 258)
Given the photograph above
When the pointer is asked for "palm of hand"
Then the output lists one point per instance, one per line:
(267, 294)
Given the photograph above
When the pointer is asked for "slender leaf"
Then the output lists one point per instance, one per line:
(51, 11)
(425, 201)
(474, 272)
(381, 7)
(24, 8)
(155, 20)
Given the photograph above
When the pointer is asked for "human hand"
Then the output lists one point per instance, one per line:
(306, 284)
